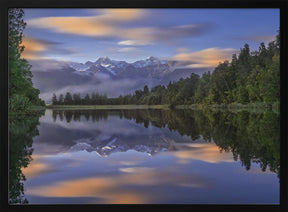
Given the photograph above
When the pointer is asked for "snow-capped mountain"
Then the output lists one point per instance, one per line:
(79, 66)
(114, 67)
(105, 75)
(150, 61)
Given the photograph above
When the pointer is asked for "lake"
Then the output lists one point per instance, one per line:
(145, 156)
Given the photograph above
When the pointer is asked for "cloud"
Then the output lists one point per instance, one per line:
(131, 51)
(127, 49)
(258, 38)
(37, 49)
(182, 50)
(40, 65)
(88, 26)
(164, 33)
(182, 31)
(114, 24)
(106, 24)
(33, 47)
(209, 57)
(134, 43)
(124, 14)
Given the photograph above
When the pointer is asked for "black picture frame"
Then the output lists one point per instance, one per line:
(5, 4)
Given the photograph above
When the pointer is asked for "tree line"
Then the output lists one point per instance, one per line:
(250, 77)
(76, 99)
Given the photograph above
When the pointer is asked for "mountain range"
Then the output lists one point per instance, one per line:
(121, 69)
(107, 76)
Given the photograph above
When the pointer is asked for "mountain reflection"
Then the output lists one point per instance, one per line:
(251, 137)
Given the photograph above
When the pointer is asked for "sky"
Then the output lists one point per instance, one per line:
(205, 36)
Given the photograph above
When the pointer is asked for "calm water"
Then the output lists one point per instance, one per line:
(145, 156)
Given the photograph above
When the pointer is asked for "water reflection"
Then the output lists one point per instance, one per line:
(251, 137)
(124, 187)
(21, 133)
(125, 156)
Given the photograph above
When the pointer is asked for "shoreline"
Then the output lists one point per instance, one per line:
(106, 107)
(251, 107)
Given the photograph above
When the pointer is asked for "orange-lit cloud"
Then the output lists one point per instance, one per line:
(112, 23)
(124, 14)
(32, 48)
(89, 26)
(205, 58)
(106, 24)
(39, 49)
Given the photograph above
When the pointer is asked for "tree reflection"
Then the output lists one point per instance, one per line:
(21, 133)
(79, 115)
(251, 137)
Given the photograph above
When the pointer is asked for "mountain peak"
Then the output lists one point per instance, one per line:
(89, 63)
(114, 66)
(103, 59)
(151, 58)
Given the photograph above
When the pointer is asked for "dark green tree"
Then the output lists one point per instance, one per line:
(61, 100)
(68, 99)
(93, 99)
(202, 90)
(20, 77)
(86, 100)
(54, 99)
(146, 90)
(76, 99)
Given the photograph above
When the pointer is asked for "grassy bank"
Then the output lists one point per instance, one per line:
(32, 111)
(235, 107)
(106, 107)
(251, 107)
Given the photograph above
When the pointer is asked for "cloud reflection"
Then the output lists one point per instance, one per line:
(125, 187)
(207, 152)
(36, 170)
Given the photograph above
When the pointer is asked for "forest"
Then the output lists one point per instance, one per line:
(250, 77)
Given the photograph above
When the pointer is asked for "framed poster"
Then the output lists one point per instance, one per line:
(144, 104)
